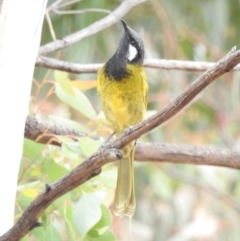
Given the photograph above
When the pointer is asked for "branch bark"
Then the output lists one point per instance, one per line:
(187, 154)
(44, 132)
(110, 151)
(51, 63)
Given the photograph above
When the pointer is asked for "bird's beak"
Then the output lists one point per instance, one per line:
(124, 25)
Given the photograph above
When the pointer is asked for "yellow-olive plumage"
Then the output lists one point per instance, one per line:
(122, 86)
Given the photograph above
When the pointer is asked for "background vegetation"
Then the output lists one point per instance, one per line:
(174, 202)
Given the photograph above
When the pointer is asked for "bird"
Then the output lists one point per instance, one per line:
(123, 89)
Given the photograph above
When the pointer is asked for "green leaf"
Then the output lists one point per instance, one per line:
(71, 235)
(29, 192)
(38, 233)
(62, 202)
(79, 101)
(108, 236)
(108, 178)
(45, 220)
(52, 234)
(66, 212)
(54, 170)
(105, 220)
(25, 238)
(32, 149)
(103, 224)
(63, 80)
(24, 201)
(89, 146)
(87, 213)
(69, 149)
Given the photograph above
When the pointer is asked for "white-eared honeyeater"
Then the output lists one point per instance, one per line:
(123, 89)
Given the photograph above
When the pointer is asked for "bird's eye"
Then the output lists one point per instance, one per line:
(132, 42)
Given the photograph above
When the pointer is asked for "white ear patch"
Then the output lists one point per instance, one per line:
(132, 52)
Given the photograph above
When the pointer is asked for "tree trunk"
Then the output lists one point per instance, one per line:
(20, 30)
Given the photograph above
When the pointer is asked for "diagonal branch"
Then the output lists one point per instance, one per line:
(94, 28)
(108, 153)
(51, 63)
(222, 66)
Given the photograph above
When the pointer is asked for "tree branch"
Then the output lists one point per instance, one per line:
(110, 151)
(187, 154)
(51, 63)
(94, 28)
(76, 177)
(46, 133)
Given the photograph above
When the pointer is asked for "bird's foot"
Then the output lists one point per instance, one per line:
(105, 143)
(108, 139)
(109, 154)
(128, 130)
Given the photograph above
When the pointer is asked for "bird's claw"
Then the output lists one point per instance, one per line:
(128, 130)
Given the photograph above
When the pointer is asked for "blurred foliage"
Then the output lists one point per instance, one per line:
(168, 207)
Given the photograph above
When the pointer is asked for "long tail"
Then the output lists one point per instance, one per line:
(124, 203)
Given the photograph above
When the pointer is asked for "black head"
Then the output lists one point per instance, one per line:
(131, 46)
(130, 51)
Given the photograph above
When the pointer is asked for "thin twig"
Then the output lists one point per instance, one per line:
(50, 25)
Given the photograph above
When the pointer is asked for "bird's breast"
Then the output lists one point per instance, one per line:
(124, 101)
